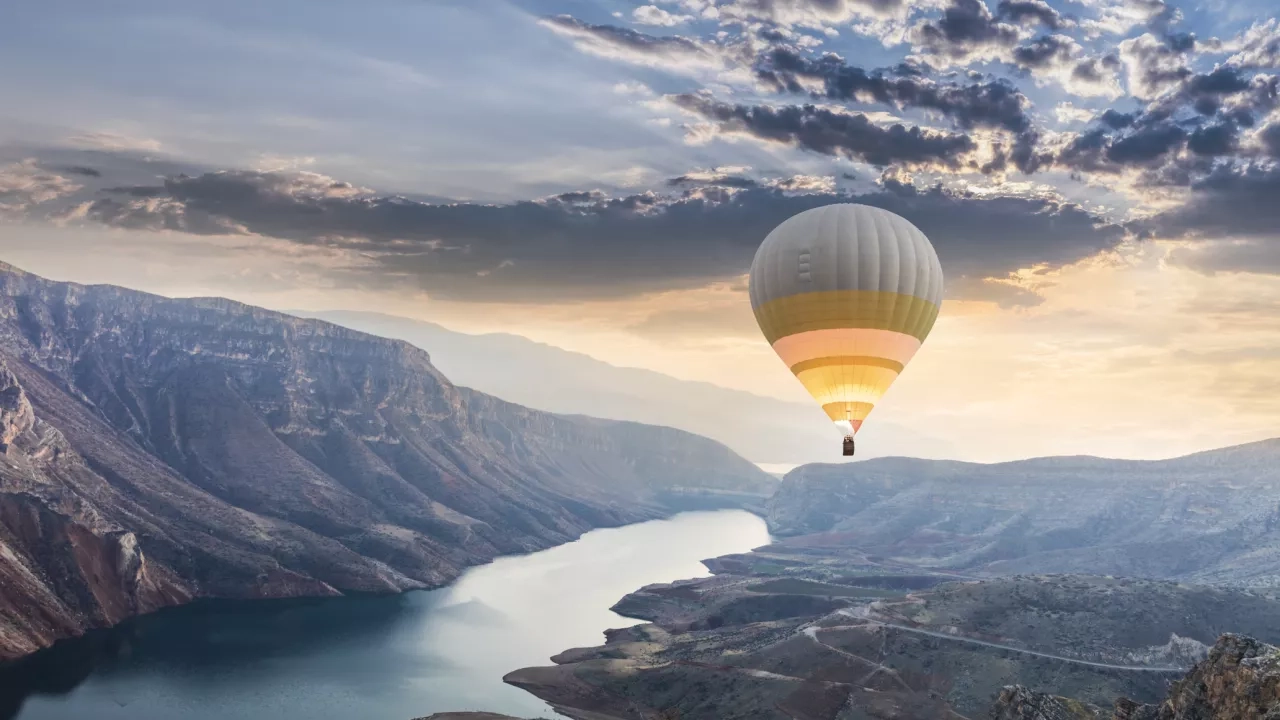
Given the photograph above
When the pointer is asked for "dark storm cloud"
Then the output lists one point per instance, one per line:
(1203, 112)
(1146, 145)
(966, 29)
(993, 104)
(1229, 202)
(1235, 209)
(1099, 151)
(1045, 51)
(1219, 139)
(79, 170)
(832, 133)
(584, 245)
(1029, 12)
(1116, 120)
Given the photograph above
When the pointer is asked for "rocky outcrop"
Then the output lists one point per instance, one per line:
(16, 415)
(1240, 680)
(1208, 518)
(1018, 703)
(158, 450)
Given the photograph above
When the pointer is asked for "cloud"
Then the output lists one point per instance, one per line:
(1235, 209)
(1067, 112)
(623, 44)
(1257, 47)
(990, 104)
(720, 177)
(25, 184)
(811, 13)
(966, 32)
(1061, 58)
(1270, 138)
(80, 170)
(1118, 17)
(969, 32)
(1203, 113)
(586, 245)
(654, 15)
(1030, 12)
(114, 142)
(1155, 64)
(850, 135)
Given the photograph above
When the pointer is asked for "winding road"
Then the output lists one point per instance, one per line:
(812, 632)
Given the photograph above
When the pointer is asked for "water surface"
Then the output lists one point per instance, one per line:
(371, 658)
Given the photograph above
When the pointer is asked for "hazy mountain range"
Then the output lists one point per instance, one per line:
(764, 430)
(1210, 517)
(155, 450)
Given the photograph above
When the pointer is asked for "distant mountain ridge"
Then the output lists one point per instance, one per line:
(156, 450)
(1211, 517)
(762, 429)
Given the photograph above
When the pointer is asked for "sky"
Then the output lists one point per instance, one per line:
(1101, 181)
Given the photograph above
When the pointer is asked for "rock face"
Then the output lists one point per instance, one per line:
(1239, 680)
(154, 450)
(1213, 517)
(1018, 703)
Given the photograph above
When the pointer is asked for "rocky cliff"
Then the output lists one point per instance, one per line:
(1016, 702)
(156, 450)
(1238, 680)
(1212, 517)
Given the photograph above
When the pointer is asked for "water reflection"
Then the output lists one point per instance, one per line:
(393, 657)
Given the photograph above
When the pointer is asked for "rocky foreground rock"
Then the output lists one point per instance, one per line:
(153, 451)
(1239, 680)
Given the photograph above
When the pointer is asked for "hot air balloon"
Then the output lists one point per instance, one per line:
(846, 294)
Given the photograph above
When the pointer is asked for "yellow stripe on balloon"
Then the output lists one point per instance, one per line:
(847, 361)
(831, 309)
(865, 384)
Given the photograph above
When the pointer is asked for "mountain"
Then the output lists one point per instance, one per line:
(154, 451)
(764, 430)
(1211, 517)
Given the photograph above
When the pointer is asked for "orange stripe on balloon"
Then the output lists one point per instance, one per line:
(887, 344)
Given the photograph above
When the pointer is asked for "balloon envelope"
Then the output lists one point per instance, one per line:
(846, 294)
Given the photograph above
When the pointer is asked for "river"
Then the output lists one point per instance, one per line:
(371, 658)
